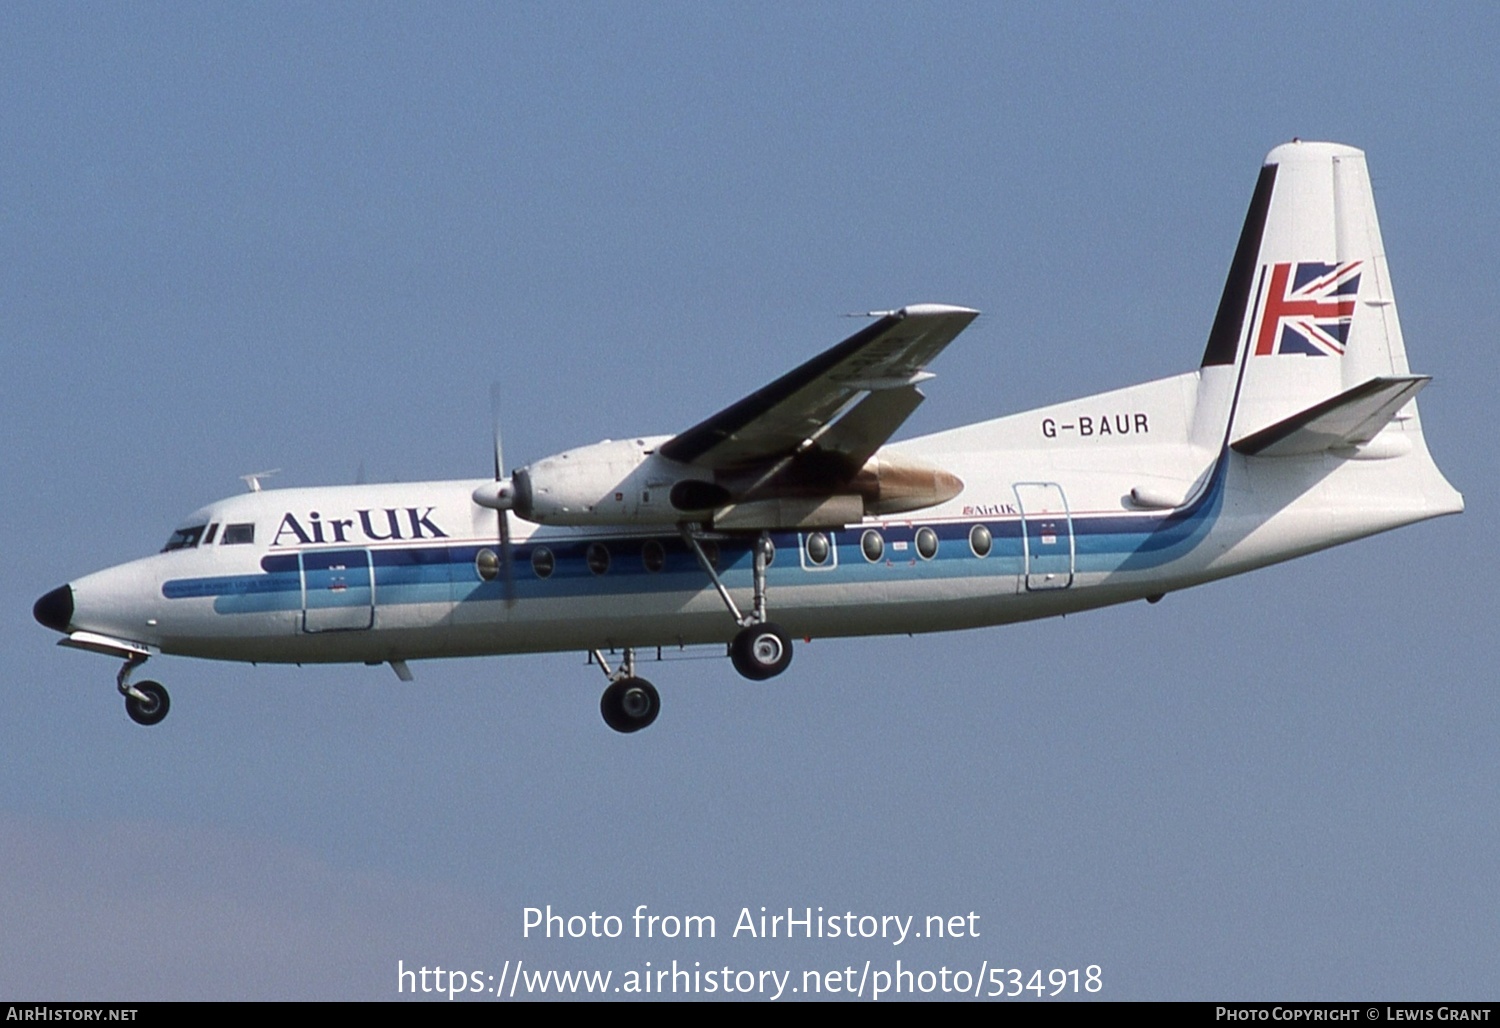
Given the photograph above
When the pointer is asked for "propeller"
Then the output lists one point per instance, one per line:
(500, 497)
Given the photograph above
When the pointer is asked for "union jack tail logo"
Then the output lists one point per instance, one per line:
(1308, 310)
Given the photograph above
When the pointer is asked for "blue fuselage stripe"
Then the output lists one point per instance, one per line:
(444, 573)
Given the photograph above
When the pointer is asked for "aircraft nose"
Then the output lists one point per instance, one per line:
(55, 610)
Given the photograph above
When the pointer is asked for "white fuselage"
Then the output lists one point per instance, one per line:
(389, 572)
(1298, 431)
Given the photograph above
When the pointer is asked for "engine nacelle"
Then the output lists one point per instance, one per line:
(618, 481)
(626, 482)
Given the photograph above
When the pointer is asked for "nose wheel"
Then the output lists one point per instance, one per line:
(146, 702)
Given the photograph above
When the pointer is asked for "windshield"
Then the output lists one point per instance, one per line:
(184, 538)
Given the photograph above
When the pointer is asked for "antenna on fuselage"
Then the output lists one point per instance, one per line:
(252, 480)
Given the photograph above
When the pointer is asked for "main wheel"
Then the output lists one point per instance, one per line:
(761, 651)
(630, 704)
(153, 708)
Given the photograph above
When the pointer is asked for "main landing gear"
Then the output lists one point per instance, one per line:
(761, 649)
(629, 703)
(146, 702)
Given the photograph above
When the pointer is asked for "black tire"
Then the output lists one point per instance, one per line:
(761, 651)
(153, 708)
(630, 704)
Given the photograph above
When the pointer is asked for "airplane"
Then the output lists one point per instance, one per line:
(791, 514)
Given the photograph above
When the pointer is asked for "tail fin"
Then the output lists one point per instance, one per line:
(1307, 313)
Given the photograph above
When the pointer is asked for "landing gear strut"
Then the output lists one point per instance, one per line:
(146, 702)
(760, 649)
(629, 703)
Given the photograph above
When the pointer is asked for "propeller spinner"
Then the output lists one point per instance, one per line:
(500, 496)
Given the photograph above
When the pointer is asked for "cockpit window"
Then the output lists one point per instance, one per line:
(208, 536)
(238, 534)
(184, 538)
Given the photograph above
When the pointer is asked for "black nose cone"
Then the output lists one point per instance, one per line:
(55, 610)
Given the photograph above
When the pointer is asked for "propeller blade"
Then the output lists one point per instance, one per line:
(495, 419)
(507, 562)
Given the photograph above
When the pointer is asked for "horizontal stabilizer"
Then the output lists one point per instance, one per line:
(1354, 416)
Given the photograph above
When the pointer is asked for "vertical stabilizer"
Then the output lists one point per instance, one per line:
(1219, 376)
(1308, 312)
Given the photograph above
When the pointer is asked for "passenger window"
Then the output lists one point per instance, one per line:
(980, 540)
(487, 564)
(653, 556)
(597, 558)
(927, 543)
(234, 534)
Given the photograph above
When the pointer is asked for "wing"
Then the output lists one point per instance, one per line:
(848, 399)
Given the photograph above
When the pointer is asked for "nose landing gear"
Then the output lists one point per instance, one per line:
(147, 703)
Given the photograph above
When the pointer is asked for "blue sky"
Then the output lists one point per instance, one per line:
(309, 237)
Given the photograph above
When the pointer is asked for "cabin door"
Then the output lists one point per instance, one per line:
(338, 590)
(1046, 534)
